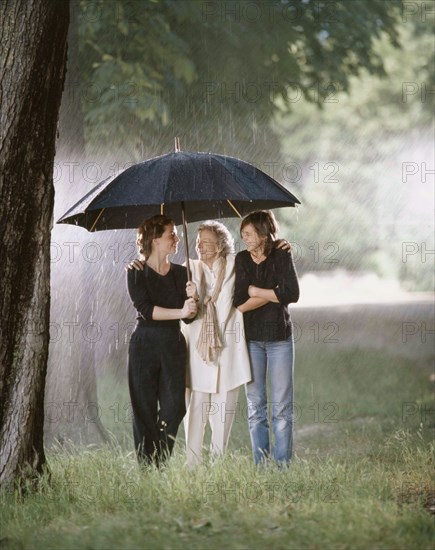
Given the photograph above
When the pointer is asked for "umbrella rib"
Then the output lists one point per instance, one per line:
(234, 208)
(96, 221)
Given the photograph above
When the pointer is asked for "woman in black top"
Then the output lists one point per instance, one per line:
(266, 282)
(157, 350)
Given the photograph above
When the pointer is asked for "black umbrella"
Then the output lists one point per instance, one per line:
(182, 185)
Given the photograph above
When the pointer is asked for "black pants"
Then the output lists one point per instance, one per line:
(157, 379)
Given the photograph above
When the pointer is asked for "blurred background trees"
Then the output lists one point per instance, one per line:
(213, 71)
(322, 95)
(332, 98)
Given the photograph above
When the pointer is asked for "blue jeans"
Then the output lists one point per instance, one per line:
(277, 358)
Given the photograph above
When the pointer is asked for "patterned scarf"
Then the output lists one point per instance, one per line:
(209, 343)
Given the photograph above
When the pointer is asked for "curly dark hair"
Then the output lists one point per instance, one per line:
(151, 228)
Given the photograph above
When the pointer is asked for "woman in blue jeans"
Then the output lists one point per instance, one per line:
(265, 283)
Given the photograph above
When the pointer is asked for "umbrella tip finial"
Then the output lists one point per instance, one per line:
(177, 145)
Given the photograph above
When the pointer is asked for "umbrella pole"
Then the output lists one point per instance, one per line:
(186, 242)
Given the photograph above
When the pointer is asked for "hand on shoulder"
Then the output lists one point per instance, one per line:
(135, 264)
(283, 244)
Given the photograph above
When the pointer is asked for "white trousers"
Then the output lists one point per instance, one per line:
(219, 409)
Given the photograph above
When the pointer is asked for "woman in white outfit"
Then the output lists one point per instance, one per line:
(218, 360)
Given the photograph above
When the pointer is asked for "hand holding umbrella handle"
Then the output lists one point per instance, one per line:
(191, 291)
(190, 309)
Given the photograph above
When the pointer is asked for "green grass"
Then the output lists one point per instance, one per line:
(362, 481)
(336, 392)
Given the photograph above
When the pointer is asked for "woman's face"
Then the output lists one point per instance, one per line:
(168, 242)
(207, 246)
(253, 241)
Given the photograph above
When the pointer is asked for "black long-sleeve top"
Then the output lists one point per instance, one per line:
(148, 288)
(272, 321)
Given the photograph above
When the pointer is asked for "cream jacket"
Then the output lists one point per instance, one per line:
(232, 368)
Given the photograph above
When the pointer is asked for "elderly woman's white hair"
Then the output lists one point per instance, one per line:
(225, 240)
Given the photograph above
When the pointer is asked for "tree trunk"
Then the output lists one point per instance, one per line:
(33, 55)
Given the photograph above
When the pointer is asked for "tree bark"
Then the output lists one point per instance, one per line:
(33, 55)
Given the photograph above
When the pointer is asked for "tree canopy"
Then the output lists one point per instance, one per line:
(308, 85)
(152, 69)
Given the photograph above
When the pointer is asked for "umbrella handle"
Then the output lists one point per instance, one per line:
(186, 242)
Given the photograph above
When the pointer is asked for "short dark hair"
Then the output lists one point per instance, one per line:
(151, 228)
(265, 224)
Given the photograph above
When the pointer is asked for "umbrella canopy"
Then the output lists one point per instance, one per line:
(205, 185)
(183, 186)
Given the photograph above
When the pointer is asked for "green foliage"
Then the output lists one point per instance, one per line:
(352, 156)
(339, 89)
(215, 69)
